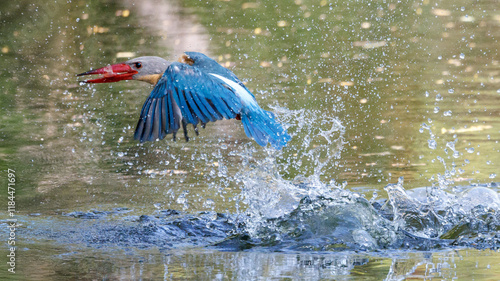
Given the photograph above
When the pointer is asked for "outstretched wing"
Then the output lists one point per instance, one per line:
(185, 92)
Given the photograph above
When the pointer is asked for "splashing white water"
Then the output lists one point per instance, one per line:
(271, 200)
(266, 193)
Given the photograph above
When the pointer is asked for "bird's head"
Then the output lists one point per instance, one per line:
(148, 69)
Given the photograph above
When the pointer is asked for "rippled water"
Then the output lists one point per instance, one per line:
(391, 172)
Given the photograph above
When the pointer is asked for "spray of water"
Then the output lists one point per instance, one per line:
(267, 194)
(307, 213)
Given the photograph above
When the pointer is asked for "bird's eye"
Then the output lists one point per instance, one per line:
(138, 65)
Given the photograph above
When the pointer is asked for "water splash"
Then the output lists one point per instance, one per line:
(321, 146)
(266, 194)
(337, 220)
(305, 213)
(429, 212)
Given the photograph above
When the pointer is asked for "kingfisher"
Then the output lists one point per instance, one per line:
(194, 90)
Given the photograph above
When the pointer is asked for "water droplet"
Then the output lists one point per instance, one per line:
(439, 97)
(222, 171)
(432, 144)
(492, 176)
(447, 113)
(451, 91)
(344, 184)
(436, 109)
(451, 145)
(470, 150)
(120, 154)
(209, 204)
(401, 180)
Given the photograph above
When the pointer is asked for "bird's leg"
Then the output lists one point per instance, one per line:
(196, 130)
(174, 135)
(184, 127)
(203, 125)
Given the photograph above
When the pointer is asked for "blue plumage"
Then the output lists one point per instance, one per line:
(263, 128)
(201, 91)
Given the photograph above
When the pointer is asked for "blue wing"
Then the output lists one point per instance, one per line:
(185, 94)
(206, 64)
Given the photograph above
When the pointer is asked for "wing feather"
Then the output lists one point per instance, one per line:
(185, 93)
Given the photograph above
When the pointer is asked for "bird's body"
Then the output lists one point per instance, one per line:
(196, 90)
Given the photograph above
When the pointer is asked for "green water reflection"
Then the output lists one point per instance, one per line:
(383, 68)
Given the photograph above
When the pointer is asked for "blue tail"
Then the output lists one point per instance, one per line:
(263, 128)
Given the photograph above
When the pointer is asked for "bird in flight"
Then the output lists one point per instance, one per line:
(195, 90)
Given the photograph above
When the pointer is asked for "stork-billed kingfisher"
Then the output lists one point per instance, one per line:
(195, 90)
